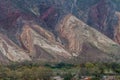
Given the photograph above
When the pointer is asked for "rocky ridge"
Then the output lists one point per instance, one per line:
(46, 30)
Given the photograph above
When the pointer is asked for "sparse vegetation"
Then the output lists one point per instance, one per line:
(36, 71)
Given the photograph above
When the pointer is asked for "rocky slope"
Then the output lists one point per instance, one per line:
(80, 39)
(36, 44)
(117, 29)
(103, 18)
(10, 51)
(75, 41)
(41, 43)
(47, 30)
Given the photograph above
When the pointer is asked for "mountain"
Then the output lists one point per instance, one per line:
(59, 30)
(117, 29)
(41, 44)
(82, 43)
(85, 42)
(103, 18)
(9, 51)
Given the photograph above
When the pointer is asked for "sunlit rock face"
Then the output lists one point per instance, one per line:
(85, 42)
(11, 51)
(41, 44)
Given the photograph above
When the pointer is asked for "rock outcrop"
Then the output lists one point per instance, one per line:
(75, 34)
(46, 30)
(103, 18)
(11, 52)
(35, 39)
(117, 29)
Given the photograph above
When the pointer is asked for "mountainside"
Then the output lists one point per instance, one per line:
(117, 29)
(59, 30)
(103, 18)
(41, 43)
(82, 40)
(10, 51)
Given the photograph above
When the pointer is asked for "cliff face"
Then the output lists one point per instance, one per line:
(36, 43)
(117, 30)
(11, 19)
(48, 13)
(103, 18)
(11, 51)
(35, 39)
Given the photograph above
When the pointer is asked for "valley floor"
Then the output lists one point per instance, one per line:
(60, 71)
